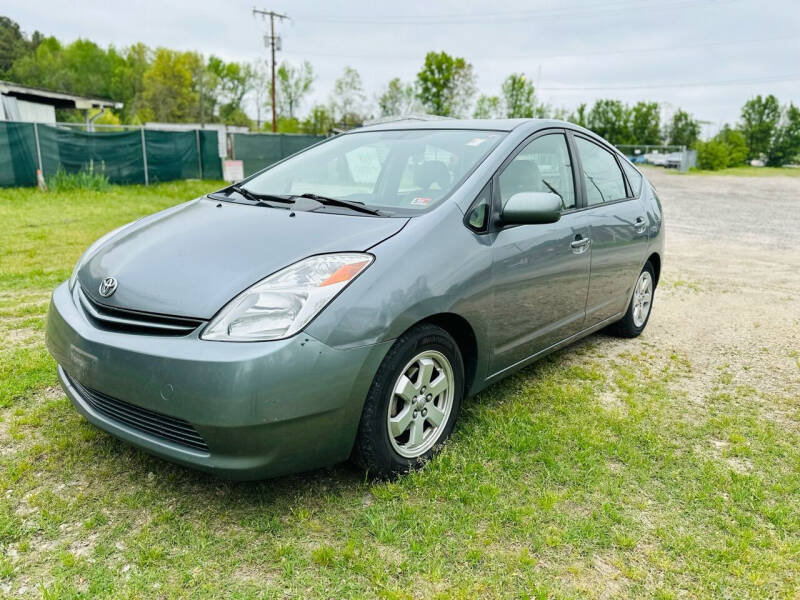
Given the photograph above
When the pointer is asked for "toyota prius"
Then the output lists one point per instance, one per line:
(345, 301)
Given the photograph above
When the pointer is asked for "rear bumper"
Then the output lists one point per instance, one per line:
(262, 409)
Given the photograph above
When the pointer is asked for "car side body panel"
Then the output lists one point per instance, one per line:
(452, 275)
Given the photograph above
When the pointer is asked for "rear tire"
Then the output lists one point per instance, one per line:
(639, 307)
(413, 402)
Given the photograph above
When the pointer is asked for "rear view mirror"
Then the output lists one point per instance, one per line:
(529, 208)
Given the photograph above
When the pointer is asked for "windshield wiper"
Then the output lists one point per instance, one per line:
(599, 191)
(552, 189)
(260, 198)
(357, 206)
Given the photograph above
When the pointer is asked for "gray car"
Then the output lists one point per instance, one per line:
(344, 302)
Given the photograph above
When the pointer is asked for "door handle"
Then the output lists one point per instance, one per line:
(580, 245)
(640, 225)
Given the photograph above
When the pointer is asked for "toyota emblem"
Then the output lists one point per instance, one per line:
(107, 287)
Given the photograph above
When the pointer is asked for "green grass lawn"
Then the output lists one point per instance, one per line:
(745, 171)
(588, 475)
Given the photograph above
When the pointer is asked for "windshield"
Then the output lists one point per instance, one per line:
(403, 171)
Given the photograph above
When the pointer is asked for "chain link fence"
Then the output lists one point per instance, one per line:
(124, 156)
(259, 150)
(128, 155)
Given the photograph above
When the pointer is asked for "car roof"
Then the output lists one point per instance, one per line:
(523, 127)
(486, 124)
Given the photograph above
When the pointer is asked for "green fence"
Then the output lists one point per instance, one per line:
(259, 150)
(133, 156)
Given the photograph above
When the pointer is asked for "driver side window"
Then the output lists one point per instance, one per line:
(543, 165)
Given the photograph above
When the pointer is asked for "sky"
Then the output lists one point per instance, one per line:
(705, 56)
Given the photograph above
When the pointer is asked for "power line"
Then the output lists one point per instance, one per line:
(453, 19)
(637, 50)
(773, 79)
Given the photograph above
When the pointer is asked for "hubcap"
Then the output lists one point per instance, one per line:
(422, 399)
(642, 298)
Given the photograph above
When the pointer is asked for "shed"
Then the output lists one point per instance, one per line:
(30, 104)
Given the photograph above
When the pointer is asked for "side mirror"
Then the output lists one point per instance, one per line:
(530, 208)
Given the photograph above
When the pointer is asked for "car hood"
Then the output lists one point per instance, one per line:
(192, 259)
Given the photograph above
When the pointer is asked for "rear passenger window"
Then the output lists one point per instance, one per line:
(604, 181)
(634, 177)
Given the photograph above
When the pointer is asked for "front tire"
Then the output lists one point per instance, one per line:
(640, 306)
(413, 402)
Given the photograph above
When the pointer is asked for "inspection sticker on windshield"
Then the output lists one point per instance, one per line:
(476, 141)
(421, 201)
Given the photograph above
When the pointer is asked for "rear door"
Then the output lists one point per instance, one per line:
(540, 273)
(618, 230)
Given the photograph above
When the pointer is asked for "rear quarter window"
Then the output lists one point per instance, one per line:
(634, 177)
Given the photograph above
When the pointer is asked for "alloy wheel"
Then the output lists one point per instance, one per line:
(642, 298)
(421, 402)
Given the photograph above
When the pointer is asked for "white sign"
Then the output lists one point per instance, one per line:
(232, 170)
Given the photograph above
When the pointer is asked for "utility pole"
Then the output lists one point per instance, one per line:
(271, 40)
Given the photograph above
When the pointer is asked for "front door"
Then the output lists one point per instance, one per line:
(540, 273)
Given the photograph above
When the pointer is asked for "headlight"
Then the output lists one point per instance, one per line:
(282, 304)
(90, 252)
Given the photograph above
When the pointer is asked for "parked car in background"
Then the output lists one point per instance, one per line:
(345, 301)
(658, 159)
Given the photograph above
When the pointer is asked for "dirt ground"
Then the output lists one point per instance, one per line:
(729, 299)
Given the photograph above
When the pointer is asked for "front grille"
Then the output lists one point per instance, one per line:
(147, 421)
(131, 321)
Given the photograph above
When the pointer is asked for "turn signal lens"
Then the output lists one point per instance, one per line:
(345, 273)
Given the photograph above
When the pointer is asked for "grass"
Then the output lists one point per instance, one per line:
(82, 180)
(745, 171)
(588, 475)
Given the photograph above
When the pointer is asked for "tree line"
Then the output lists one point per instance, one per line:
(160, 84)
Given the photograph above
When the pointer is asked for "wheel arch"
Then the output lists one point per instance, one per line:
(655, 260)
(464, 335)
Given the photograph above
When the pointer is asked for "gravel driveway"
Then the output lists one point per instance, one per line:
(744, 211)
(729, 297)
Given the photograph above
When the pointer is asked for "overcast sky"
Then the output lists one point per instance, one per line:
(706, 56)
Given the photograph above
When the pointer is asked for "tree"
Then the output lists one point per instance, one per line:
(127, 80)
(560, 113)
(518, 95)
(712, 155)
(611, 119)
(288, 125)
(683, 130)
(785, 146)
(488, 107)
(39, 68)
(736, 144)
(397, 99)
(261, 89)
(81, 68)
(348, 98)
(294, 83)
(760, 117)
(169, 94)
(229, 83)
(645, 123)
(445, 84)
(319, 121)
(580, 116)
(87, 68)
(14, 44)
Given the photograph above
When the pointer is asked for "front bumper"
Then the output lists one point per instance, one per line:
(262, 408)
